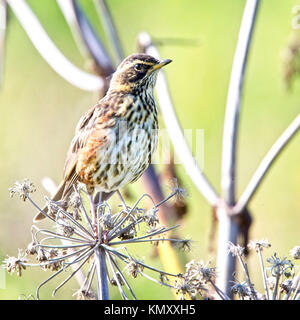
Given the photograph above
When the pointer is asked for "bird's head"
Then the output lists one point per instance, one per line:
(137, 72)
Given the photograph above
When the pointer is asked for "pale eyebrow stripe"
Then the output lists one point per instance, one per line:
(141, 62)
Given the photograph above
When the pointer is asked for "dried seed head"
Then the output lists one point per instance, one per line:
(163, 277)
(31, 248)
(280, 266)
(107, 221)
(12, 264)
(271, 282)
(200, 271)
(295, 252)
(41, 255)
(235, 250)
(180, 193)
(54, 207)
(84, 295)
(64, 227)
(186, 287)
(23, 189)
(259, 245)
(286, 286)
(75, 200)
(119, 280)
(151, 218)
(134, 268)
(241, 289)
(184, 244)
(128, 233)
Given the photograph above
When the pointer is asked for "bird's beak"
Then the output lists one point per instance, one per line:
(161, 64)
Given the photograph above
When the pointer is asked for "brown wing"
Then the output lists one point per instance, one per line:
(91, 133)
(82, 131)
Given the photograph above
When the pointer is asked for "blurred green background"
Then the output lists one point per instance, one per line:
(39, 111)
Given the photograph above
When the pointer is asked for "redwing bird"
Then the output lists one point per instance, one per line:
(115, 139)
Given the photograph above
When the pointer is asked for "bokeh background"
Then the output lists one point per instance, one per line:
(39, 111)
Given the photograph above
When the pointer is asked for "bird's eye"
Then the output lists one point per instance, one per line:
(138, 67)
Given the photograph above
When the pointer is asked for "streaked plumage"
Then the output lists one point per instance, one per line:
(115, 139)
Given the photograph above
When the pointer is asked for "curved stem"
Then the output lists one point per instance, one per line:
(234, 101)
(50, 52)
(266, 163)
(180, 145)
(109, 25)
(228, 227)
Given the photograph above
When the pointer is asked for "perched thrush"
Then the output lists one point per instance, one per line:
(115, 139)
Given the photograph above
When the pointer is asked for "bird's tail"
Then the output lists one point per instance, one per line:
(64, 192)
(57, 196)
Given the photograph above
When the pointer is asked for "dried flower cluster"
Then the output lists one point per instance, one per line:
(280, 281)
(278, 277)
(81, 230)
(194, 281)
(92, 234)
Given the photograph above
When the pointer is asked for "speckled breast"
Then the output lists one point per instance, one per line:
(127, 150)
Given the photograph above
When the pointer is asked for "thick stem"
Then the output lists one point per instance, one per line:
(228, 227)
(102, 275)
(234, 101)
(110, 28)
(228, 232)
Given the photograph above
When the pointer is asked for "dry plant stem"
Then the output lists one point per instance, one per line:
(101, 272)
(110, 28)
(67, 10)
(263, 271)
(246, 272)
(123, 278)
(49, 51)
(266, 164)
(116, 277)
(181, 147)
(221, 294)
(80, 276)
(70, 276)
(94, 217)
(92, 42)
(295, 286)
(234, 101)
(3, 25)
(275, 290)
(228, 228)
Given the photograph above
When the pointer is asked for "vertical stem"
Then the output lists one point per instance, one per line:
(228, 232)
(111, 30)
(234, 101)
(101, 272)
(228, 228)
(245, 269)
(275, 290)
(263, 274)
